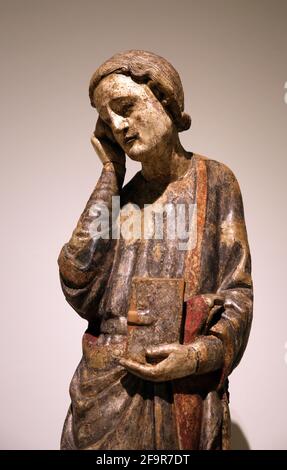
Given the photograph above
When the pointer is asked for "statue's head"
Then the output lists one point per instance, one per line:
(139, 95)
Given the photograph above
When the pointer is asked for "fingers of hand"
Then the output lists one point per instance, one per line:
(99, 149)
(176, 365)
(100, 129)
(145, 371)
(103, 131)
(162, 350)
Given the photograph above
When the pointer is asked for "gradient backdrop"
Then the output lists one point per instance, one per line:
(231, 56)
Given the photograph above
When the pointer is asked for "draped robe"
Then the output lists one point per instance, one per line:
(112, 408)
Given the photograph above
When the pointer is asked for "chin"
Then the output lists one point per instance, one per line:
(137, 153)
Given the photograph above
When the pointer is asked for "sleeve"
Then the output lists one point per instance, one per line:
(232, 323)
(85, 262)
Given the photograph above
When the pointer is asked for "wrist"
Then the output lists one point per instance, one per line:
(117, 169)
(115, 166)
(208, 351)
(193, 359)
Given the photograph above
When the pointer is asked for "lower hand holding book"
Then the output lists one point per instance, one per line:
(178, 361)
(203, 355)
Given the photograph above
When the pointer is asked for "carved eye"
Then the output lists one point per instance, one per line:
(123, 106)
(126, 109)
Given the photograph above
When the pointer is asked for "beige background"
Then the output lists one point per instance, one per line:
(231, 56)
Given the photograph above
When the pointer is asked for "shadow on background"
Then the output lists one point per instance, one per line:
(238, 439)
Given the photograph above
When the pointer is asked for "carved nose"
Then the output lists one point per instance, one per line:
(119, 123)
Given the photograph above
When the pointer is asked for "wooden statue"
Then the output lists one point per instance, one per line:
(169, 310)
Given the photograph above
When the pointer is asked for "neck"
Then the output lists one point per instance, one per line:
(168, 165)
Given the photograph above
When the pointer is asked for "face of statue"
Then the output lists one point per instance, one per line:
(137, 119)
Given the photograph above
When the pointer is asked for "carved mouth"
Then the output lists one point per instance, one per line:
(130, 139)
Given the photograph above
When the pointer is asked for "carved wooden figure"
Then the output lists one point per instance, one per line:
(169, 310)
